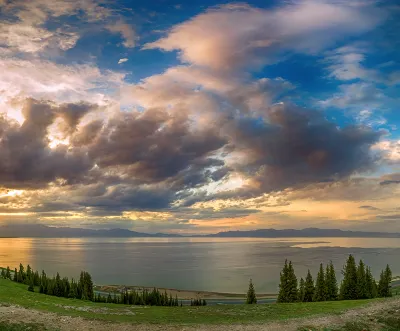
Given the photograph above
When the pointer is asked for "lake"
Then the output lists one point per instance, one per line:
(207, 264)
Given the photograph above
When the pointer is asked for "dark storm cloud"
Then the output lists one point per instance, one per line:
(123, 197)
(148, 160)
(87, 134)
(26, 161)
(154, 145)
(72, 113)
(296, 147)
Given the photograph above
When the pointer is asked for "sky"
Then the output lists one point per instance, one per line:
(200, 116)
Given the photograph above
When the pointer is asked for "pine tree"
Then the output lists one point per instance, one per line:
(301, 290)
(31, 286)
(28, 274)
(309, 288)
(370, 284)
(8, 273)
(293, 294)
(3, 273)
(251, 294)
(331, 283)
(384, 283)
(21, 274)
(361, 281)
(15, 278)
(348, 289)
(320, 285)
(283, 286)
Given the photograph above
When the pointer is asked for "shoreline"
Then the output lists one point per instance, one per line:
(182, 294)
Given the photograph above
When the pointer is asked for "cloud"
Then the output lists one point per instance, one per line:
(127, 32)
(390, 150)
(25, 28)
(31, 39)
(122, 60)
(45, 79)
(346, 64)
(234, 36)
(356, 95)
(296, 147)
(390, 179)
(154, 145)
(27, 160)
(369, 208)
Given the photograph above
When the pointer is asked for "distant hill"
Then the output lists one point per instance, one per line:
(308, 232)
(43, 231)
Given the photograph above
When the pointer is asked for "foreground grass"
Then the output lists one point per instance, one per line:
(6, 326)
(17, 294)
(387, 323)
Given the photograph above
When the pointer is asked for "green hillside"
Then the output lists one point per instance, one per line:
(17, 294)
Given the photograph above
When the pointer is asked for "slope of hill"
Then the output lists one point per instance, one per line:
(17, 305)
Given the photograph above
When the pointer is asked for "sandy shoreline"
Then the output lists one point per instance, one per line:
(183, 294)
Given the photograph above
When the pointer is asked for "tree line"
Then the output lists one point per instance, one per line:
(357, 283)
(145, 297)
(82, 289)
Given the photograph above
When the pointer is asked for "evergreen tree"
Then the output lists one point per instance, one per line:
(21, 274)
(43, 283)
(283, 285)
(293, 294)
(301, 290)
(361, 281)
(8, 273)
(28, 274)
(15, 278)
(251, 294)
(348, 289)
(36, 278)
(370, 284)
(320, 285)
(384, 283)
(331, 283)
(58, 290)
(31, 286)
(309, 288)
(3, 273)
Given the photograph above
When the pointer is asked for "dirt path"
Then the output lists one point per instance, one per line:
(64, 323)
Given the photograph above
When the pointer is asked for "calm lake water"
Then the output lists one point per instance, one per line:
(209, 264)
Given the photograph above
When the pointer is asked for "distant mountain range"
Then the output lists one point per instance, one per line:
(43, 231)
(304, 233)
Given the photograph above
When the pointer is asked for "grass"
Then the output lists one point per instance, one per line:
(7, 326)
(349, 326)
(17, 294)
(386, 321)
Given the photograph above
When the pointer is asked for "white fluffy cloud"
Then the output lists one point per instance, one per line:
(123, 60)
(27, 31)
(239, 35)
(61, 83)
